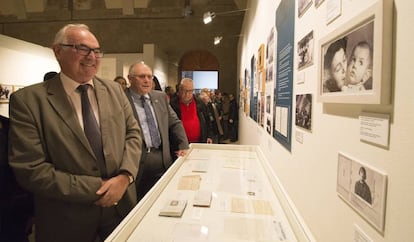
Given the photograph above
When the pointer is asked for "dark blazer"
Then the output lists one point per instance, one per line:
(169, 125)
(52, 158)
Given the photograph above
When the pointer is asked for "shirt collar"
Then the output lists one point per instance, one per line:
(70, 85)
(137, 96)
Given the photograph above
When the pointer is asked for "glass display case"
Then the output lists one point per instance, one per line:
(215, 193)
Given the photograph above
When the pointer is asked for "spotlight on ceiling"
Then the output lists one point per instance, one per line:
(217, 40)
(208, 17)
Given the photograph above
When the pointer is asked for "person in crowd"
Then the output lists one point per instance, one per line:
(16, 204)
(49, 75)
(122, 81)
(160, 121)
(218, 111)
(233, 119)
(75, 144)
(189, 111)
(335, 66)
(209, 115)
(225, 107)
(359, 76)
(169, 90)
(156, 84)
(361, 187)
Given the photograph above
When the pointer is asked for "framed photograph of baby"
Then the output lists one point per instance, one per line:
(355, 59)
(363, 188)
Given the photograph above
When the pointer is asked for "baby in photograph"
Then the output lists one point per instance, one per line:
(359, 73)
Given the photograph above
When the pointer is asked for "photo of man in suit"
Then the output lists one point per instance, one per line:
(80, 179)
(159, 123)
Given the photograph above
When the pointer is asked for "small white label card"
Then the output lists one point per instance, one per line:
(375, 128)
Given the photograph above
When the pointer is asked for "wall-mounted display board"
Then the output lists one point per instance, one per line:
(215, 193)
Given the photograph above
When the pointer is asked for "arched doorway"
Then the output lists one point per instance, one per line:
(198, 60)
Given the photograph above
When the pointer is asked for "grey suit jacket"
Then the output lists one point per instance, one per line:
(169, 125)
(52, 158)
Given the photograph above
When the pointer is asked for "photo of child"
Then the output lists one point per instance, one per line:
(359, 74)
(345, 71)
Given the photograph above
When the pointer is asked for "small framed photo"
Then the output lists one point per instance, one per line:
(363, 188)
(304, 111)
(305, 51)
(5, 92)
(303, 5)
(355, 59)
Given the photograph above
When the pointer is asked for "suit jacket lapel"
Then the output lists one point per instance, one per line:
(104, 108)
(58, 100)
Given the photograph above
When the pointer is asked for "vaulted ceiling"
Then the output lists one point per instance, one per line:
(122, 26)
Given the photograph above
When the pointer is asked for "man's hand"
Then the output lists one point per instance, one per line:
(181, 152)
(112, 190)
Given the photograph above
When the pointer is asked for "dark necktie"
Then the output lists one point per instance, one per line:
(155, 138)
(91, 129)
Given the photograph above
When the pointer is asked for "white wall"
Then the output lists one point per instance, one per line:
(308, 172)
(23, 64)
(152, 56)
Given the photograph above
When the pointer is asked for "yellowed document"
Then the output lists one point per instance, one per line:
(239, 205)
(262, 207)
(189, 182)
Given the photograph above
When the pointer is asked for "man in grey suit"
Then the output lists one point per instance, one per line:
(156, 156)
(77, 198)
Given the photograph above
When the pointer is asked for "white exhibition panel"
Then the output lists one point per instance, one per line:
(248, 203)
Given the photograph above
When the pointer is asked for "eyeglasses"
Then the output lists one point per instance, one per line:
(142, 76)
(187, 91)
(85, 50)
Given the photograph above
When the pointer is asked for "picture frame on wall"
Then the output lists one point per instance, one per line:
(305, 51)
(5, 92)
(333, 10)
(303, 114)
(363, 188)
(303, 5)
(368, 38)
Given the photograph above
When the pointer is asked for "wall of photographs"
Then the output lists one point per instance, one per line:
(22, 64)
(323, 107)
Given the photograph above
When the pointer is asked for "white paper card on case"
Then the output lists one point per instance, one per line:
(374, 128)
(199, 165)
(173, 208)
(202, 198)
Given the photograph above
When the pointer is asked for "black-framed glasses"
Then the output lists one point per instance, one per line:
(142, 76)
(85, 50)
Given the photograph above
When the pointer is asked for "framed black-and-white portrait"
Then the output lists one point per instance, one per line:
(303, 114)
(355, 59)
(305, 51)
(5, 92)
(363, 188)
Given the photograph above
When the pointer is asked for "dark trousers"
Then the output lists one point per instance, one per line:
(152, 170)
